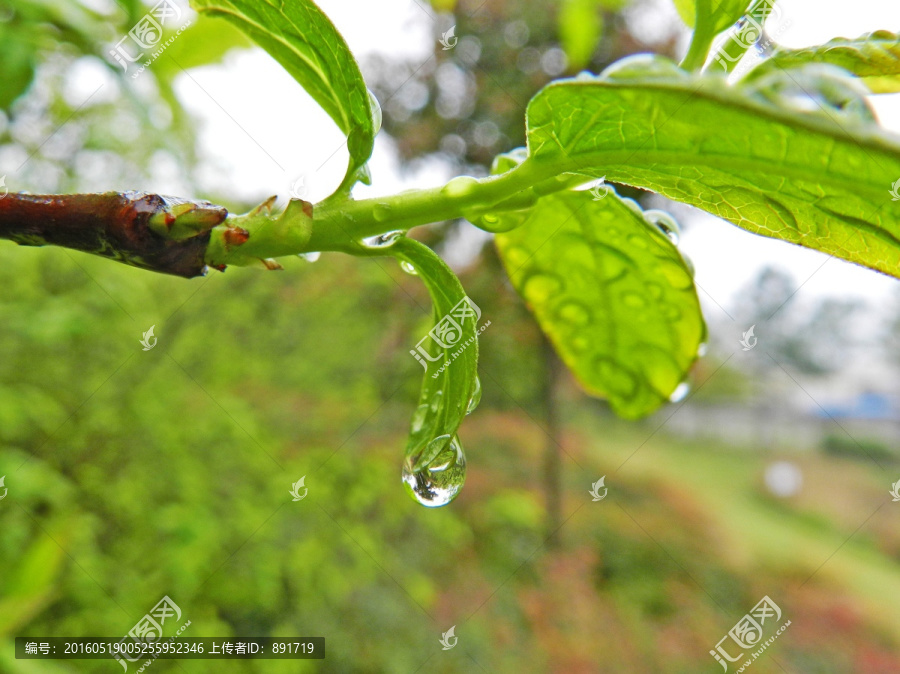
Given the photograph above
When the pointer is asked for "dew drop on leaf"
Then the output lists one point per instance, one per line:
(310, 257)
(460, 187)
(666, 224)
(408, 268)
(476, 397)
(680, 392)
(381, 212)
(574, 313)
(376, 112)
(439, 480)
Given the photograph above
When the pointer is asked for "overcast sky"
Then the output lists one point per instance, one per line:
(253, 155)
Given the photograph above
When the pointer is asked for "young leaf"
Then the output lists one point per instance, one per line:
(874, 57)
(717, 15)
(580, 26)
(449, 353)
(303, 40)
(796, 156)
(611, 291)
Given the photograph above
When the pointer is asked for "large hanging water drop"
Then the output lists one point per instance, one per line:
(435, 476)
(310, 257)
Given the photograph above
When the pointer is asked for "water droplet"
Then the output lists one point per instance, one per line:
(376, 111)
(619, 380)
(817, 89)
(633, 300)
(579, 343)
(671, 312)
(419, 417)
(408, 268)
(382, 240)
(574, 312)
(660, 369)
(492, 222)
(634, 206)
(638, 241)
(677, 276)
(310, 257)
(460, 187)
(437, 480)
(436, 400)
(666, 223)
(643, 66)
(476, 397)
(381, 212)
(516, 256)
(702, 350)
(541, 287)
(654, 290)
(680, 392)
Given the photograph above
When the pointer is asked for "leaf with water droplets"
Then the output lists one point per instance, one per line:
(613, 294)
(874, 57)
(795, 156)
(434, 466)
(303, 40)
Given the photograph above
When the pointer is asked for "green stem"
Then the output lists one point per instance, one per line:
(340, 225)
(734, 40)
(702, 39)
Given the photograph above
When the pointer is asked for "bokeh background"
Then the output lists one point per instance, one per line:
(136, 474)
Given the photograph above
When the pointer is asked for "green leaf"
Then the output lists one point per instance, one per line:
(206, 41)
(611, 292)
(797, 156)
(451, 376)
(303, 40)
(874, 57)
(18, 58)
(580, 26)
(686, 10)
(717, 14)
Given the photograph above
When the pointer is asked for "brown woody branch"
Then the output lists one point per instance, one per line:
(150, 231)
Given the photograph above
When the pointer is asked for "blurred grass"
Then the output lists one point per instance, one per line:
(167, 473)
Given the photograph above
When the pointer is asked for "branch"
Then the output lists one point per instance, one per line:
(149, 231)
(182, 237)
